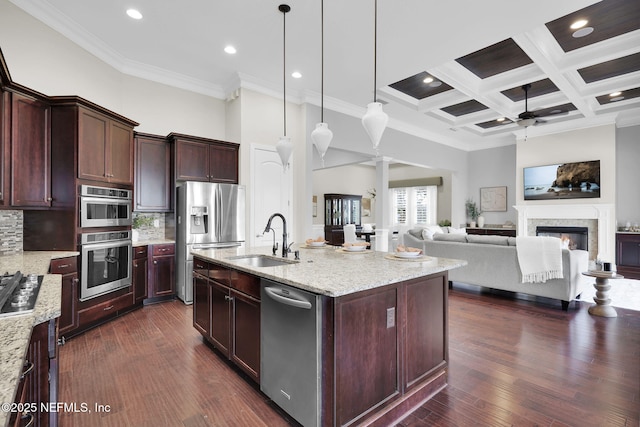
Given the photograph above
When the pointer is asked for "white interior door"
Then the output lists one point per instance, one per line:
(271, 192)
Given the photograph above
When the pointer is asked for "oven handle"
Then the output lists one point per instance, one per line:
(107, 245)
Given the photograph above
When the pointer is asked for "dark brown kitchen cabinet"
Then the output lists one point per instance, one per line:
(105, 149)
(231, 300)
(161, 271)
(202, 159)
(5, 147)
(139, 274)
(30, 152)
(152, 177)
(68, 268)
(39, 382)
(628, 254)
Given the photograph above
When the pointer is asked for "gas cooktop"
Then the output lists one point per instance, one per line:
(18, 293)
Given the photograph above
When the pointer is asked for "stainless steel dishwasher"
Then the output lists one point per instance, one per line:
(290, 350)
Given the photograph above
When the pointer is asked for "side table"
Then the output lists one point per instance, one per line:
(603, 302)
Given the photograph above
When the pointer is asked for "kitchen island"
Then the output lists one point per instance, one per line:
(17, 332)
(381, 327)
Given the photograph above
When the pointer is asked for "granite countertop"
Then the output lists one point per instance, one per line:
(152, 242)
(330, 271)
(15, 331)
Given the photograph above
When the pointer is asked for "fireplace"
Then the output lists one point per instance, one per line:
(572, 237)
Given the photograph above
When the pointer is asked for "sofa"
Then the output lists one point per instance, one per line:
(493, 263)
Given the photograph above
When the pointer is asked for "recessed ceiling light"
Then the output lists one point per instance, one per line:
(296, 74)
(134, 13)
(614, 94)
(500, 119)
(582, 32)
(579, 24)
(230, 50)
(428, 80)
(617, 98)
(435, 83)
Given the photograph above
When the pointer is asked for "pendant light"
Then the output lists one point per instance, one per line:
(322, 135)
(375, 120)
(284, 145)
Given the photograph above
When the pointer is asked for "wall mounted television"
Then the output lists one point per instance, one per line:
(562, 181)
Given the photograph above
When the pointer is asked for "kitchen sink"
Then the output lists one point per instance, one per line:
(261, 260)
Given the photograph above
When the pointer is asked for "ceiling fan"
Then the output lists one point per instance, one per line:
(529, 118)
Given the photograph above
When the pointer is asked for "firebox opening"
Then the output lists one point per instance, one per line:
(572, 237)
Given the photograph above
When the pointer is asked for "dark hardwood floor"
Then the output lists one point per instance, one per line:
(512, 363)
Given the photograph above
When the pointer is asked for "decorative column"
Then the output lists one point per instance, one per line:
(383, 220)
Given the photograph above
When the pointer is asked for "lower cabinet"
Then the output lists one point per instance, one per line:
(39, 382)
(139, 274)
(226, 311)
(628, 255)
(161, 271)
(68, 267)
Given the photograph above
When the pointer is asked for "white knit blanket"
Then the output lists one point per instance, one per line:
(540, 258)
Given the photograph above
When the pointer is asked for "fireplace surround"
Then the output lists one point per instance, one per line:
(599, 218)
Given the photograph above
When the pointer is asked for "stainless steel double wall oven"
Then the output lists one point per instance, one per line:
(106, 253)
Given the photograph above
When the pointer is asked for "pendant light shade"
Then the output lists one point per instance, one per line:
(284, 147)
(322, 135)
(375, 120)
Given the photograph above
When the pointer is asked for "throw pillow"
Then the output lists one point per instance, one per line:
(457, 230)
(430, 230)
(416, 232)
(490, 240)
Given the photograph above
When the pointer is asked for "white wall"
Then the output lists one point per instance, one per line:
(628, 175)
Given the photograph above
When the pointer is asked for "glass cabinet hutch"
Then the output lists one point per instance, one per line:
(339, 210)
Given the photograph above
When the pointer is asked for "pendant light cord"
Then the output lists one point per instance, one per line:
(284, 67)
(375, 51)
(322, 61)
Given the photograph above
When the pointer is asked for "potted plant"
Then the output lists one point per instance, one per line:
(472, 212)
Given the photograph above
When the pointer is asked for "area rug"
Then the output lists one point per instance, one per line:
(624, 293)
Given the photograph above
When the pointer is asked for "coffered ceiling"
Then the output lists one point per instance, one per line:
(479, 55)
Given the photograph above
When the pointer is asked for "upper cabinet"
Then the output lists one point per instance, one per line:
(153, 185)
(105, 148)
(202, 159)
(30, 152)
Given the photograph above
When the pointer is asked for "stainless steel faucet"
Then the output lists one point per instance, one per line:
(285, 247)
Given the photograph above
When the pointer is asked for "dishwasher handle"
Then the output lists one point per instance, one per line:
(291, 300)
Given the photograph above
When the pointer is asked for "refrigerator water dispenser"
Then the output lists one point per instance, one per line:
(199, 220)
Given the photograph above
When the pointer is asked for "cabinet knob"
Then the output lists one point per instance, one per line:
(76, 280)
(135, 263)
(155, 262)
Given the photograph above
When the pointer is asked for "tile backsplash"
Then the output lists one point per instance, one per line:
(11, 237)
(144, 225)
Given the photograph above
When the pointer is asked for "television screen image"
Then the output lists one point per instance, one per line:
(562, 181)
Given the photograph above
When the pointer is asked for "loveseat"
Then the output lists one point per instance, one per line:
(493, 263)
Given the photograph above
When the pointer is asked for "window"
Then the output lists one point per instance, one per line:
(414, 205)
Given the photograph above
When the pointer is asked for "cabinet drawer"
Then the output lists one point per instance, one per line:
(167, 249)
(64, 265)
(200, 267)
(104, 309)
(140, 252)
(220, 274)
(245, 283)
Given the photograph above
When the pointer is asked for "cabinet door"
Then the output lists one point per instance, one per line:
(201, 298)
(92, 145)
(223, 164)
(220, 317)
(5, 146)
(192, 161)
(163, 275)
(68, 318)
(120, 154)
(30, 152)
(245, 346)
(152, 175)
(139, 279)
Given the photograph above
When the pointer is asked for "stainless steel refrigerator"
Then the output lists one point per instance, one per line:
(208, 215)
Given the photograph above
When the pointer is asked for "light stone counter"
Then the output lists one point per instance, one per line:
(15, 331)
(146, 242)
(330, 271)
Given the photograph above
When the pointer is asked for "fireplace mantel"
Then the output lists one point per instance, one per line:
(604, 214)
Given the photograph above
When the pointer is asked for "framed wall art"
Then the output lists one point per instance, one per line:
(493, 199)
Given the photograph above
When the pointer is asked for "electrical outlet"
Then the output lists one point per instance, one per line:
(391, 317)
(156, 223)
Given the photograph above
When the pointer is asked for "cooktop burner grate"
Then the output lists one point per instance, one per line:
(18, 293)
